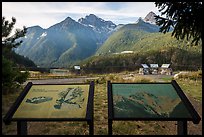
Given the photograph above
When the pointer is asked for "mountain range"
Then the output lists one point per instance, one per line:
(68, 42)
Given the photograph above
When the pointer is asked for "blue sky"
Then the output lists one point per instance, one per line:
(46, 14)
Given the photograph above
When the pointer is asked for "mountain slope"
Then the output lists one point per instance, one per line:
(126, 37)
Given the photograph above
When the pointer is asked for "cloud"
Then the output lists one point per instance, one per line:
(46, 14)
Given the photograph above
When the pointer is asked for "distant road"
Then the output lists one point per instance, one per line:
(60, 81)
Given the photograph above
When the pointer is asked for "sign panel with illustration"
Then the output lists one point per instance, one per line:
(147, 101)
(155, 101)
(54, 101)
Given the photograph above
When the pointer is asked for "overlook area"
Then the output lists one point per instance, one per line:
(191, 84)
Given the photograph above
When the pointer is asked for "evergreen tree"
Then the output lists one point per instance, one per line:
(11, 75)
(185, 17)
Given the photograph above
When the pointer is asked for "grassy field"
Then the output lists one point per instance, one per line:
(191, 87)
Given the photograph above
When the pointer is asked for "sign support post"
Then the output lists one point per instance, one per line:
(21, 127)
(91, 127)
(110, 122)
(182, 127)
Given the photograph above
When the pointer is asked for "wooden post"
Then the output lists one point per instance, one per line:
(182, 127)
(21, 127)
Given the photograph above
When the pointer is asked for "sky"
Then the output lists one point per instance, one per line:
(46, 14)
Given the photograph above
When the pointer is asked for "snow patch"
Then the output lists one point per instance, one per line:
(44, 34)
(91, 26)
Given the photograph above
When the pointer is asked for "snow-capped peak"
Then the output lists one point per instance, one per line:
(98, 24)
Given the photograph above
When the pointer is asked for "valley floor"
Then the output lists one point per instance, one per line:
(101, 110)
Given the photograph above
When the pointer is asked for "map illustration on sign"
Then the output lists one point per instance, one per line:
(147, 101)
(70, 96)
(37, 100)
(54, 101)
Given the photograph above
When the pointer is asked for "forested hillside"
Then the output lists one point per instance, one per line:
(156, 48)
(22, 61)
(126, 37)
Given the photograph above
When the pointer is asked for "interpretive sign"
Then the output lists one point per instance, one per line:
(149, 101)
(54, 102)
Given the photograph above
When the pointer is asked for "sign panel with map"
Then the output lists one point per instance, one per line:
(64, 102)
(54, 101)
